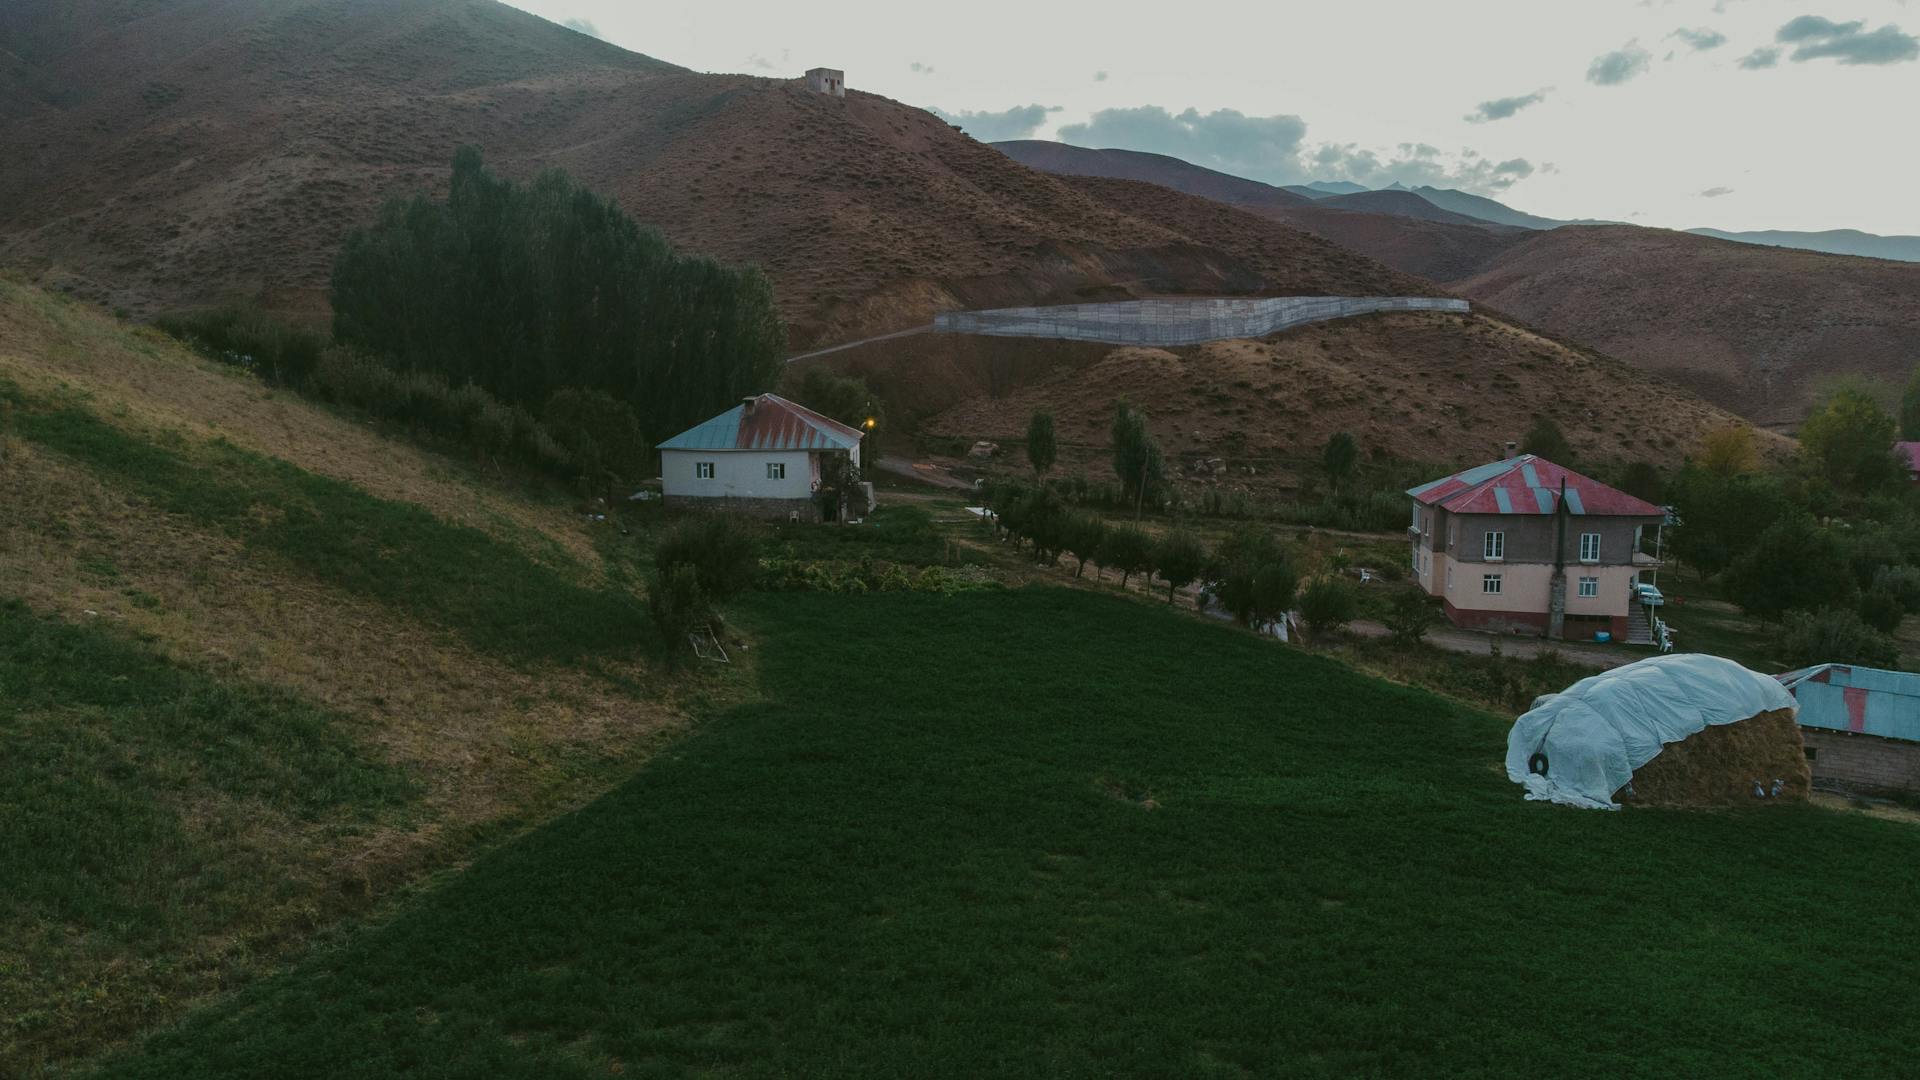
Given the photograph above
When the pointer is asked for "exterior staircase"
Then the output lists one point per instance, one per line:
(1639, 625)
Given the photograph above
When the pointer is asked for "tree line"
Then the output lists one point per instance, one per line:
(532, 289)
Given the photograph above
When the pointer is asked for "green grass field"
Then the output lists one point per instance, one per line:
(135, 796)
(1044, 832)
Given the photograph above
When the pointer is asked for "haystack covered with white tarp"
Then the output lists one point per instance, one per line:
(1582, 745)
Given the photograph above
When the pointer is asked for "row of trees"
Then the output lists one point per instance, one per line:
(1250, 573)
(532, 289)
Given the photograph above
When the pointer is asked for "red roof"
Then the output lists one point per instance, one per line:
(1527, 485)
(767, 422)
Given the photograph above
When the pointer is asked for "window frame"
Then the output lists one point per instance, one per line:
(1493, 545)
(1492, 585)
(1584, 557)
(1585, 584)
(776, 470)
(704, 470)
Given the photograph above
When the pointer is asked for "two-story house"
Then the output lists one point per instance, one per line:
(1526, 545)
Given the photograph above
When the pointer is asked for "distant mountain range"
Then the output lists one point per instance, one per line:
(1749, 327)
(1832, 241)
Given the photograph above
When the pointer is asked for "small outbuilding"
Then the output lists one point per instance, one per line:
(768, 457)
(829, 81)
(1719, 732)
(1861, 726)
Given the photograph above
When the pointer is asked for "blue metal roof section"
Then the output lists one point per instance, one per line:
(1866, 701)
(720, 433)
(1505, 502)
(1573, 502)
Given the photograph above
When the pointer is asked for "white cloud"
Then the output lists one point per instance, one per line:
(1618, 66)
(1019, 122)
(1275, 149)
(1814, 37)
(1501, 108)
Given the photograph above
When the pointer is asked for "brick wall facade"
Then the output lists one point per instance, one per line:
(1845, 760)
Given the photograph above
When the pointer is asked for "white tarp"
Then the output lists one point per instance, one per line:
(1598, 731)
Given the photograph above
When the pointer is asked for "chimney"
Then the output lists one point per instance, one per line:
(749, 402)
(1513, 449)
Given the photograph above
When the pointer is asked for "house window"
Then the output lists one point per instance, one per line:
(1490, 584)
(703, 470)
(1589, 586)
(776, 470)
(1589, 547)
(1449, 577)
(1494, 548)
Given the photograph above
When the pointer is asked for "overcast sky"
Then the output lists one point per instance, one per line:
(1735, 114)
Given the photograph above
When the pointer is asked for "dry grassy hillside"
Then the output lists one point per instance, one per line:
(244, 138)
(1423, 387)
(1063, 159)
(1751, 328)
(242, 560)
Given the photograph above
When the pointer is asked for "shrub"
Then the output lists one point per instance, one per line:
(1544, 439)
(1870, 548)
(1794, 565)
(1849, 440)
(1409, 612)
(1082, 534)
(1180, 558)
(276, 350)
(1127, 550)
(723, 550)
(466, 415)
(1137, 461)
(1835, 636)
(1042, 448)
(1041, 518)
(601, 433)
(1326, 606)
(675, 603)
(1252, 577)
(1881, 610)
(1338, 458)
(1903, 582)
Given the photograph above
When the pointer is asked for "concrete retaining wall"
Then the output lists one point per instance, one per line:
(1178, 322)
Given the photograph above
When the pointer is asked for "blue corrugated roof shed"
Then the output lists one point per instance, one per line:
(1868, 701)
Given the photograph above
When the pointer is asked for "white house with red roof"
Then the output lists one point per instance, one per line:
(1525, 545)
(766, 456)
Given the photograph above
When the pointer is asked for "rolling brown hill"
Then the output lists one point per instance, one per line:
(1063, 159)
(244, 138)
(1419, 386)
(1753, 329)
